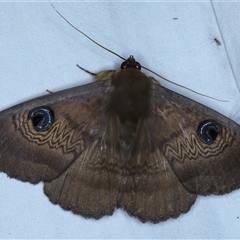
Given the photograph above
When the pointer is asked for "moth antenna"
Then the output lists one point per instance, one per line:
(84, 34)
(186, 87)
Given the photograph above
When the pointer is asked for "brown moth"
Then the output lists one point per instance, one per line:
(123, 141)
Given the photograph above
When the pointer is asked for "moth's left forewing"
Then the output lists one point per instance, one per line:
(30, 154)
(203, 168)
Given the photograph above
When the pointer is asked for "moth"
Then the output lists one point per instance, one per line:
(123, 141)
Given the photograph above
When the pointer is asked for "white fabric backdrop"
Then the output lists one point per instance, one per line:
(39, 51)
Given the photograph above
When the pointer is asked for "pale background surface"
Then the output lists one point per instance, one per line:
(39, 51)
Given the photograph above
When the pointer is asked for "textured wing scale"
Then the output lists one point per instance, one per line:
(90, 185)
(101, 180)
(30, 155)
(150, 189)
(202, 168)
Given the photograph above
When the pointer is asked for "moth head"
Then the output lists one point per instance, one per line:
(131, 63)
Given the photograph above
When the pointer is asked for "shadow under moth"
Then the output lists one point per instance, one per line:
(123, 141)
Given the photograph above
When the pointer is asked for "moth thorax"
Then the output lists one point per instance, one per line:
(130, 97)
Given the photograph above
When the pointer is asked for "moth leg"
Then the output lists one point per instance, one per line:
(48, 91)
